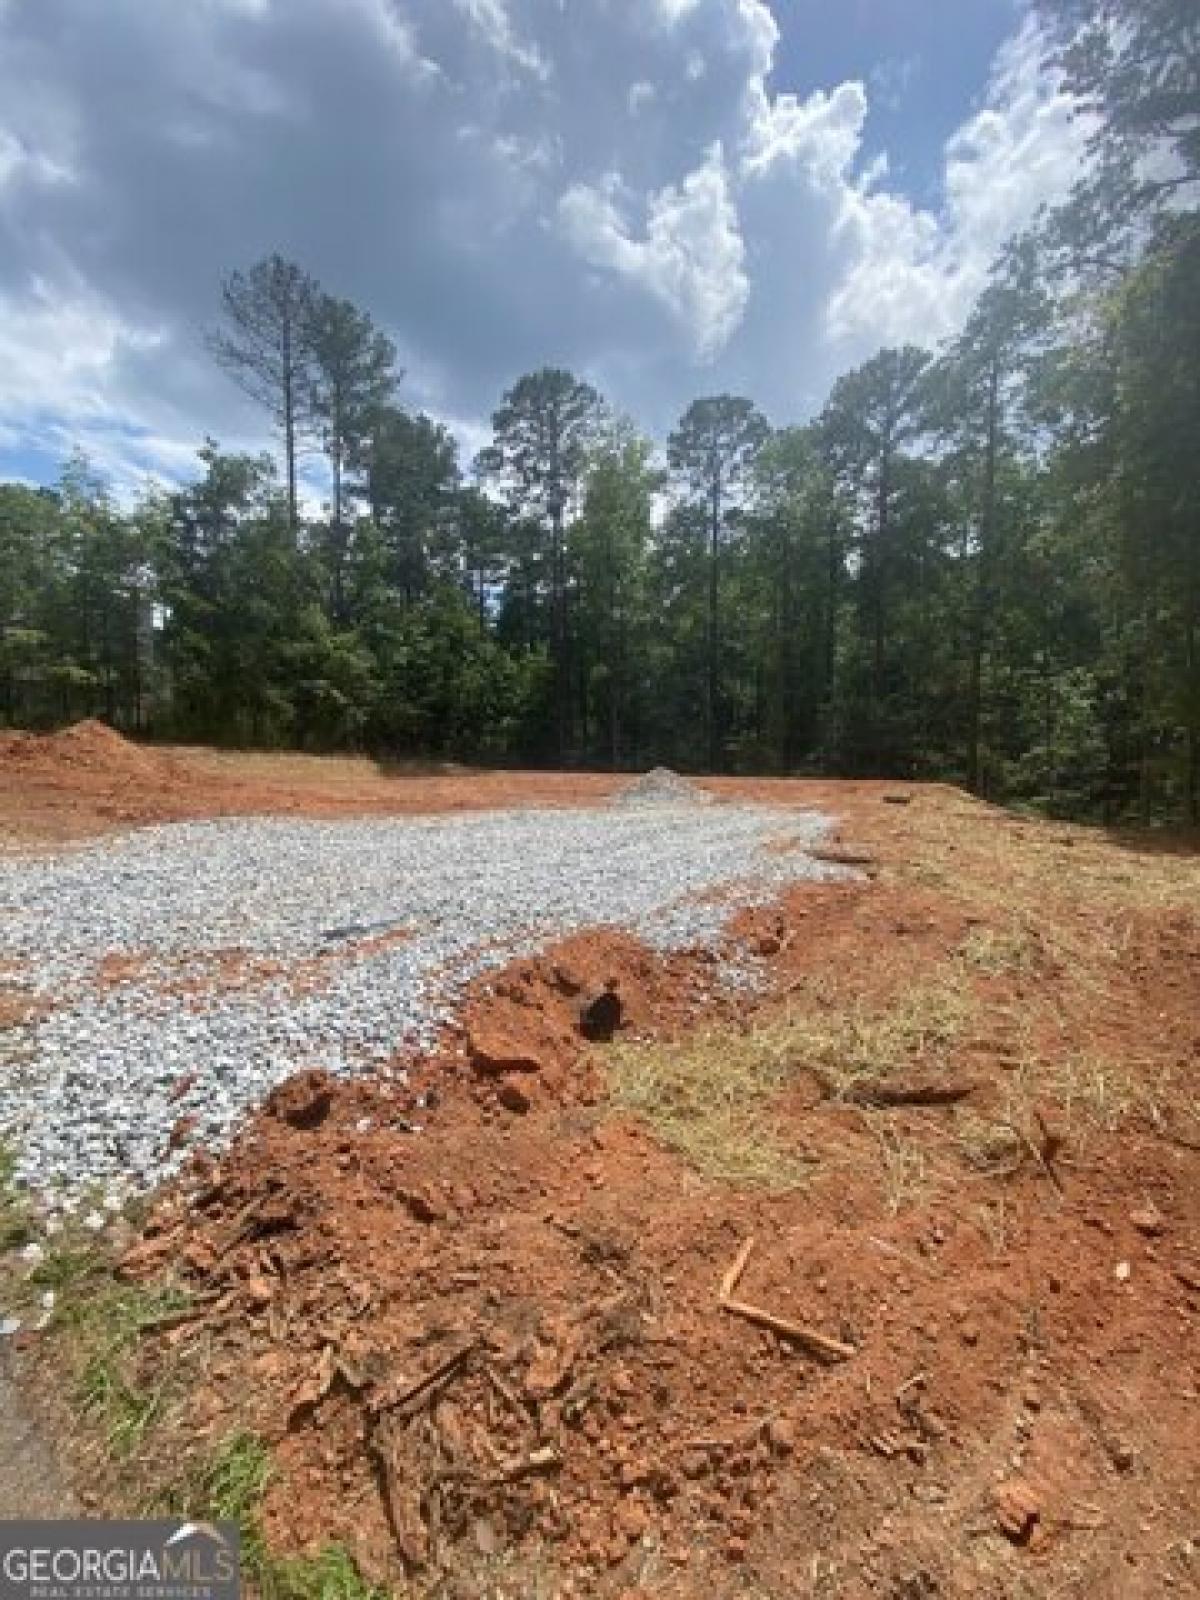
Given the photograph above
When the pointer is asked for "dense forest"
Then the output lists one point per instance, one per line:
(980, 563)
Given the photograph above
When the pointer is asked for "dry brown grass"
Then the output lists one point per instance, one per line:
(997, 951)
(710, 1095)
(1032, 874)
(713, 1096)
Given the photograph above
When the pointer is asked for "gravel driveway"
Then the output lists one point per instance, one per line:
(187, 969)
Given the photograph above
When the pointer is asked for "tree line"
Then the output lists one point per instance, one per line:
(980, 563)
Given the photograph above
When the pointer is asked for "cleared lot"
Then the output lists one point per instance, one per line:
(940, 1114)
(176, 974)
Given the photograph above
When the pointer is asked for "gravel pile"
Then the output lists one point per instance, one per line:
(660, 786)
(254, 947)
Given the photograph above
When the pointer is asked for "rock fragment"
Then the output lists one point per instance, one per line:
(1017, 1509)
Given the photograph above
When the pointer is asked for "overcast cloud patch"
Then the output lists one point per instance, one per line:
(500, 184)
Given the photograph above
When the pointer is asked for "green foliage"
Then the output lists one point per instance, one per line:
(982, 565)
(15, 1227)
(229, 1487)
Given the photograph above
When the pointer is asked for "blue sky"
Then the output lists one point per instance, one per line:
(925, 64)
(673, 197)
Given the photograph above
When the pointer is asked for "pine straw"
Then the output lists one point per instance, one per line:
(1026, 1000)
(711, 1096)
(1074, 888)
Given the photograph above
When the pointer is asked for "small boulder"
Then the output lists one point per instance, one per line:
(513, 1095)
(1148, 1219)
(493, 1048)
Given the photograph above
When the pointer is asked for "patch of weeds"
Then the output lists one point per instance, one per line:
(107, 1322)
(331, 1575)
(96, 1322)
(69, 1268)
(868, 1043)
(995, 952)
(229, 1487)
(996, 1224)
(988, 1145)
(1097, 1093)
(15, 1225)
(121, 1408)
(904, 1163)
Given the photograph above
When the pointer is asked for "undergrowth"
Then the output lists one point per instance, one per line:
(95, 1333)
(715, 1096)
(15, 1229)
(229, 1486)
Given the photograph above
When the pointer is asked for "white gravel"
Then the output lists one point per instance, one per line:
(90, 1092)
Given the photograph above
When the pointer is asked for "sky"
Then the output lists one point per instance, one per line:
(671, 197)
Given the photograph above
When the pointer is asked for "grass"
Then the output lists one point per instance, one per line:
(991, 1145)
(107, 1323)
(96, 1320)
(15, 1229)
(229, 1487)
(99, 1322)
(711, 1096)
(999, 951)
(96, 1328)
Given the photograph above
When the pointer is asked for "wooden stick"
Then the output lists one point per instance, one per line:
(733, 1277)
(818, 1342)
(417, 1391)
(834, 1349)
(842, 856)
(883, 1095)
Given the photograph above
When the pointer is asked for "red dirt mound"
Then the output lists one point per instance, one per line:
(492, 1328)
(85, 747)
(527, 1027)
(474, 1329)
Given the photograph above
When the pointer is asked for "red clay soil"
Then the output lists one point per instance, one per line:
(477, 1313)
(88, 779)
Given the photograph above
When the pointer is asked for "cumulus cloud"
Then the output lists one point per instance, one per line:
(819, 136)
(913, 274)
(690, 257)
(619, 186)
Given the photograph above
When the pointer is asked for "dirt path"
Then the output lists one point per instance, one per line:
(88, 780)
(31, 1482)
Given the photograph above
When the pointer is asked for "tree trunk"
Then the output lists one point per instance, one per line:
(878, 584)
(833, 564)
(558, 632)
(289, 421)
(338, 537)
(987, 539)
(1192, 690)
(714, 637)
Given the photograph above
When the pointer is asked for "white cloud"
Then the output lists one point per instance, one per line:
(56, 352)
(913, 274)
(640, 94)
(20, 164)
(493, 22)
(500, 182)
(821, 134)
(690, 257)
